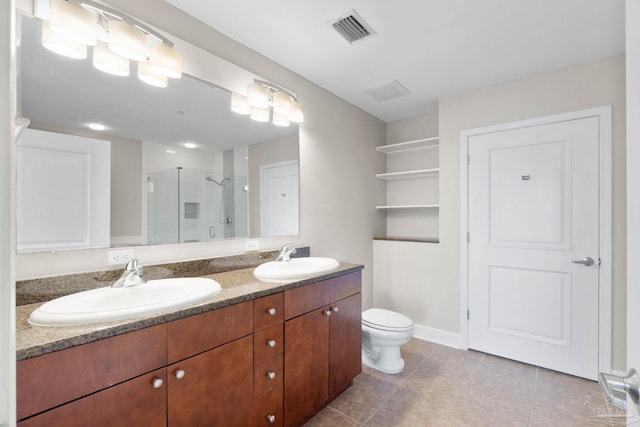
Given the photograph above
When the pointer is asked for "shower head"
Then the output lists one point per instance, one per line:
(221, 183)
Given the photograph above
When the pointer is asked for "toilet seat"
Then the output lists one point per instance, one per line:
(386, 320)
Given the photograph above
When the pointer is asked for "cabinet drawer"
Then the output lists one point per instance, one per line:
(345, 286)
(141, 400)
(267, 311)
(268, 409)
(305, 298)
(263, 341)
(195, 334)
(267, 374)
(55, 378)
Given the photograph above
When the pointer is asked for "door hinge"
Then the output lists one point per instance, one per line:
(599, 262)
(468, 314)
(468, 237)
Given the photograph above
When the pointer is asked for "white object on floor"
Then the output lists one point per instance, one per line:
(383, 332)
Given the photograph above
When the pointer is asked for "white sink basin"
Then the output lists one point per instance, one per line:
(296, 268)
(110, 304)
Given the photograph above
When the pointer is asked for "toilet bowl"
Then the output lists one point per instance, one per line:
(383, 332)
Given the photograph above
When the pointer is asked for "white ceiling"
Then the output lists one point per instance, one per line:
(434, 48)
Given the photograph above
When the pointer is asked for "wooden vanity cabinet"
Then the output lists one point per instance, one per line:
(322, 344)
(273, 361)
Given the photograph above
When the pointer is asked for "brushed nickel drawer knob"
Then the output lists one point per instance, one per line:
(272, 311)
(271, 418)
(271, 375)
(328, 313)
(271, 343)
(335, 309)
(157, 382)
(180, 374)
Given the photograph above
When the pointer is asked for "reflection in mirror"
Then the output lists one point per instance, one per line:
(159, 190)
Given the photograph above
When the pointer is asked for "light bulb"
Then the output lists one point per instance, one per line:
(165, 60)
(147, 75)
(239, 104)
(281, 103)
(104, 59)
(73, 22)
(259, 114)
(127, 40)
(297, 112)
(280, 119)
(57, 43)
(258, 96)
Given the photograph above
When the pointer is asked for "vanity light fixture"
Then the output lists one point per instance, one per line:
(240, 104)
(262, 97)
(73, 22)
(72, 25)
(57, 43)
(150, 76)
(127, 41)
(104, 59)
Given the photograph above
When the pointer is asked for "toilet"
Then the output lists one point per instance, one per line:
(383, 332)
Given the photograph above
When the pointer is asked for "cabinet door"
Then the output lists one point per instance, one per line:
(216, 389)
(131, 403)
(306, 366)
(50, 380)
(345, 343)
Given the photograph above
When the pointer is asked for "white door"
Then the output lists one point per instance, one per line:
(533, 248)
(279, 199)
(63, 192)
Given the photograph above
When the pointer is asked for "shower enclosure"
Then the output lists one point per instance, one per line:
(190, 205)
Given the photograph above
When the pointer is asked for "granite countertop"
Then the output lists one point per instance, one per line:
(237, 286)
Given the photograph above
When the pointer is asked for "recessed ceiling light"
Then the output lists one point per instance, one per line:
(170, 151)
(190, 145)
(96, 126)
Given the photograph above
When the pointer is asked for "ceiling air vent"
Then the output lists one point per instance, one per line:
(353, 28)
(386, 91)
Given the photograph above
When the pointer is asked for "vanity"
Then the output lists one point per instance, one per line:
(258, 353)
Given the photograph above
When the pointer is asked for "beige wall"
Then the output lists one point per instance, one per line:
(126, 191)
(338, 163)
(574, 88)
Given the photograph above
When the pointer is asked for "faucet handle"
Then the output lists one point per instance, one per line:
(132, 265)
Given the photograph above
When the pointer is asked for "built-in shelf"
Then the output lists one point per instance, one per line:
(408, 207)
(409, 174)
(408, 239)
(409, 145)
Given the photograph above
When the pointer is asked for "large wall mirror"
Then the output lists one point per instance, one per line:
(142, 186)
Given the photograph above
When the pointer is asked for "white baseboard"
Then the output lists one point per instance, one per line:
(437, 336)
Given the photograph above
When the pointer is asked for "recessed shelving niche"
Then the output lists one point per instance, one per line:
(412, 187)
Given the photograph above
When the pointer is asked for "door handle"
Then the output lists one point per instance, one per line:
(616, 387)
(588, 261)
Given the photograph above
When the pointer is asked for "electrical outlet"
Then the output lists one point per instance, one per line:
(119, 257)
(251, 245)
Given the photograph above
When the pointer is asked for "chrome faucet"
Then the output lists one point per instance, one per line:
(131, 276)
(286, 252)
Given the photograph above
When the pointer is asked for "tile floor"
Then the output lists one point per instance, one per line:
(441, 386)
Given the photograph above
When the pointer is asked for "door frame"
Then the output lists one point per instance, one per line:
(605, 308)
